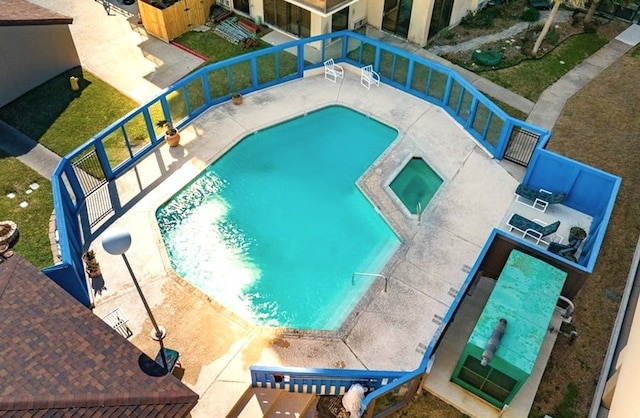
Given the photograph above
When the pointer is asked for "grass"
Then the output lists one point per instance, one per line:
(32, 221)
(213, 46)
(61, 119)
(567, 408)
(531, 77)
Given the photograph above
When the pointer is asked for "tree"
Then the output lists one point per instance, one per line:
(550, 19)
(610, 5)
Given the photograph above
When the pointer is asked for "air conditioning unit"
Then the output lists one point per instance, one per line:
(360, 23)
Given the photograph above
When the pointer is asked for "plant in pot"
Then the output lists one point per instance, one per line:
(577, 233)
(236, 98)
(92, 265)
(171, 135)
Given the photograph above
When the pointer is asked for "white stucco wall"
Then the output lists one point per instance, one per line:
(35, 54)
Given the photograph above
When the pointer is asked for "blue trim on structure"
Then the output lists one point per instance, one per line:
(69, 210)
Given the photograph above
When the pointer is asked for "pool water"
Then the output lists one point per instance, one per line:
(276, 227)
(415, 185)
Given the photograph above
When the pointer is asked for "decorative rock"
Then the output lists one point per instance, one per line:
(24, 204)
(11, 195)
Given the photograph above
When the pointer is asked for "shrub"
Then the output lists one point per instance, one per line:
(482, 19)
(553, 37)
(447, 34)
(590, 28)
(530, 14)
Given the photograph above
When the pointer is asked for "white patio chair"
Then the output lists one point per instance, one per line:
(368, 77)
(332, 71)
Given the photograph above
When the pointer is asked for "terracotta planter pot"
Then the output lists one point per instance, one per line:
(92, 266)
(8, 232)
(172, 140)
(236, 100)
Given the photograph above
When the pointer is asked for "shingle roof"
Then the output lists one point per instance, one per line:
(22, 12)
(58, 357)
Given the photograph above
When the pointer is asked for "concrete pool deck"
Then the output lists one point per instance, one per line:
(393, 328)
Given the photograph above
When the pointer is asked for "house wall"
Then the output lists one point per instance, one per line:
(35, 54)
(621, 391)
(421, 14)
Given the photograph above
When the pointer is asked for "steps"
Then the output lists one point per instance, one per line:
(272, 403)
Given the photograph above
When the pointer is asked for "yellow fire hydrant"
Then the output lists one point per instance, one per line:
(74, 83)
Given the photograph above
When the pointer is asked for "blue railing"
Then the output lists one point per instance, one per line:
(214, 84)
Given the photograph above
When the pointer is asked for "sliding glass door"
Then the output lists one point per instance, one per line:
(397, 16)
(288, 17)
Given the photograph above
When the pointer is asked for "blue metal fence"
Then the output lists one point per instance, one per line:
(214, 84)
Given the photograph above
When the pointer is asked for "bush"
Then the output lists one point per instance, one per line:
(590, 28)
(530, 14)
(482, 19)
(553, 37)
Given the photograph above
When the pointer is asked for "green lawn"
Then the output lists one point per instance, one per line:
(213, 46)
(61, 119)
(531, 77)
(33, 220)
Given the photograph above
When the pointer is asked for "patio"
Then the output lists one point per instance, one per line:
(387, 330)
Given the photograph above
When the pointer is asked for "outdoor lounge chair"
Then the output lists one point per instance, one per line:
(537, 198)
(535, 228)
(332, 71)
(368, 77)
(565, 250)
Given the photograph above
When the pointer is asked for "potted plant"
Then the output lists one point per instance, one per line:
(577, 233)
(236, 98)
(93, 267)
(171, 134)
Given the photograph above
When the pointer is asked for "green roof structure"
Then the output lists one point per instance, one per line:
(525, 295)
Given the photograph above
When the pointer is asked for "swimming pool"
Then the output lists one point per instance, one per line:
(276, 227)
(415, 185)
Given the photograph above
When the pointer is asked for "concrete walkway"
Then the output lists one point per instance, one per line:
(28, 151)
(552, 100)
(115, 48)
(561, 17)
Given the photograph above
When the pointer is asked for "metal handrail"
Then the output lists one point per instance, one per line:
(386, 280)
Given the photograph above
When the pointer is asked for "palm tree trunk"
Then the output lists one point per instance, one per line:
(547, 25)
(592, 11)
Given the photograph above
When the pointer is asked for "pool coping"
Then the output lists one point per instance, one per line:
(386, 330)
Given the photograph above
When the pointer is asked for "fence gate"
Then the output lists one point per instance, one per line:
(93, 182)
(521, 145)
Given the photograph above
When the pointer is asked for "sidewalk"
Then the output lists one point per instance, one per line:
(117, 50)
(552, 100)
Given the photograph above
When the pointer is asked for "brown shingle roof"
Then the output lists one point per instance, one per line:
(22, 12)
(58, 357)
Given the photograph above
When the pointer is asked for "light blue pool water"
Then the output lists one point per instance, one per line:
(276, 227)
(415, 185)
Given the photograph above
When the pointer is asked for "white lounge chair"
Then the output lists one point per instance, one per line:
(368, 77)
(535, 228)
(332, 71)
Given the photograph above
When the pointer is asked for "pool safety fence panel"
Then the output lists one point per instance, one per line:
(499, 356)
(521, 146)
(122, 145)
(587, 189)
(319, 381)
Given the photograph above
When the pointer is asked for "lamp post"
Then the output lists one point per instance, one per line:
(116, 241)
